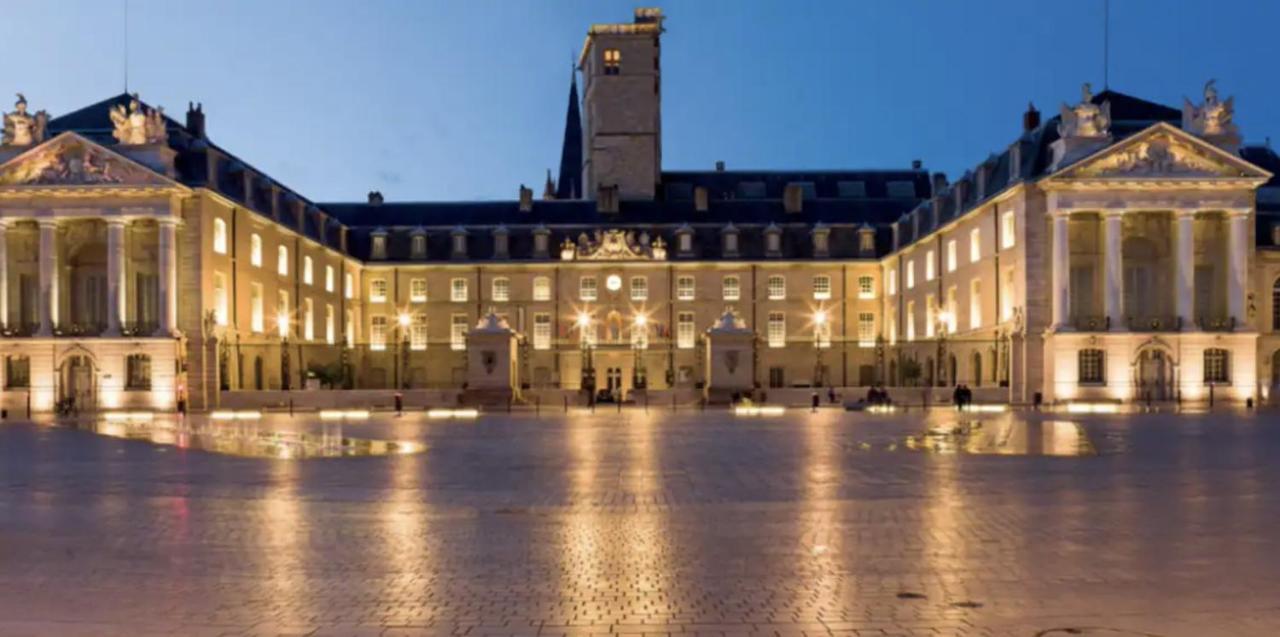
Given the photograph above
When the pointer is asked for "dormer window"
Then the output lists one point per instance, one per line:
(500, 242)
(541, 242)
(684, 240)
(459, 243)
(729, 239)
(378, 246)
(418, 245)
(866, 240)
(773, 241)
(612, 61)
(821, 235)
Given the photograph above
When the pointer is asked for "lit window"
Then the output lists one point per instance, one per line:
(330, 324)
(893, 327)
(378, 333)
(349, 284)
(219, 236)
(587, 289)
(328, 278)
(458, 332)
(1215, 366)
(378, 250)
(975, 245)
(282, 313)
(1092, 369)
(777, 287)
(953, 259)
(929, 315)
(639, 288)
(256, 320)
(377, 290)
(350, 333)
(502, 289)
(220, 298)
(975, 304)
(541, 288)
(1007, 238)
(417, 290)
(732, 291)
(418, 246)
(612, 61)
(822, 287)
(893, 281)
(458, 290)
(684, 330)
(866, 287)
(306, 270)
(418, 332)
(911, 275)
(911, 321)
(866, 329)
(1006, 296)
(686, 242)
(282, 261)
(777, 329)
(542, 331)
(684, 288)
(255, 250)
(309, 320)
(949, 315)
(929, 271)
(137, 372)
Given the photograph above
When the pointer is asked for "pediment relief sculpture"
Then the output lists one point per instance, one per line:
(22, 128)
(612, 245)
(73, 162)
(1160, 155)
(137, 125)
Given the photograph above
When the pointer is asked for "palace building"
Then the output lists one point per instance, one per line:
(1122, 250)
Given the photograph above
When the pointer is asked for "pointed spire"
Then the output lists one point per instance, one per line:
(570, 183)
(549, 191)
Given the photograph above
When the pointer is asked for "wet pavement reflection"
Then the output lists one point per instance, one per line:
(631, 523)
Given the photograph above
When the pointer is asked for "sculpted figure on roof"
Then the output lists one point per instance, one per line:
(136, 125)
(1085, 119)
(21, 128)
(1213, 117)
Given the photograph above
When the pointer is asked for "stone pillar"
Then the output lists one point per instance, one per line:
(1061, 270)
(1113, 269)
(1184, 288)
(48, 276)
(168, 261)
(4, 273)
(1238, 259)
(729, 361)
(115, 276)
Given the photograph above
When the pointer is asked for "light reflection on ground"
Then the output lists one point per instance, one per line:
(1008, 436)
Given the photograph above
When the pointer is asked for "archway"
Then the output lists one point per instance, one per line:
(77, 386)
(952, 368)
(1153, 373)
(977, 369)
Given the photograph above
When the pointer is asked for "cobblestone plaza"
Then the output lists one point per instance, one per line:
(660, 524)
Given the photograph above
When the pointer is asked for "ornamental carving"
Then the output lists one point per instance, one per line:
(136, 125)
(74, 163)
(1085, 119)
(1159, 155)
(611, 245)
(1211, 118)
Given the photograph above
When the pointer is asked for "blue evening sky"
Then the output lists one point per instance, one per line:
(465, 100)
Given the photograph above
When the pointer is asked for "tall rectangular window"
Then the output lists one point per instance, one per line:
(542, 331)
(1007, 238)
(684, 330)
(776, 331)
(911, 274)
(378, 333)
(255, 250)
(930, 260)
(866, 329)
(330, 324)
(866, 287)
(282, 313)
(929, 317)
(458, 290)
(377, 290)
(588, 289)
(892, 282)
(949, 313)
(458, 332)
(732, 291)
(417, 290)
(1215, 366)
(541, 288)
(822, 287)
(953, 259)
(612, 61)
(307, 270)
(220, 236)
(349, 285)
(1006, 296)
(911, 321)
(975, 304)
(308, 320)
(777, 287)
(502, 289)
(282, 261)
(328, 278)
(257, 323)
(684, 288)
(418, 332)
(975, 245)
(1091, 368)
(350, 333)
(220, 298)
(639, 288)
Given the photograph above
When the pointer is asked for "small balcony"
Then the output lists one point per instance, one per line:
(1154, 323)
(1216, 323)
(80, 329)
(1087, 323)
(20, 330)
(139, 328)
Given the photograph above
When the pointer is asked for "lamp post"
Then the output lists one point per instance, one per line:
(402, 368)
(583, 323)
(282, 324)
(819, 330)
(639, 337)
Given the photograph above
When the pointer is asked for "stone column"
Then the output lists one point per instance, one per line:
(1061, 271)
(115, 276)
(1113, 269)
(48, 276)
(1184, 288)
(1238, 259)
(168, 261)
(4, 273)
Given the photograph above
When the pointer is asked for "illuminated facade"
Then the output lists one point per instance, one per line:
(1121, 250)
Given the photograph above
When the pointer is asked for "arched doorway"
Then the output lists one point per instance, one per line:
(951, 378)
(1153, 374)
(77, 386)
(257, 372)
(977, 369)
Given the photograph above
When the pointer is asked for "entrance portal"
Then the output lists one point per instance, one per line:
(76, 387)
(613, 382)
(1154, 375)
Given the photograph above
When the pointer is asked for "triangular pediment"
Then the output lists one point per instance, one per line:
(72, 160)
(1161, 153)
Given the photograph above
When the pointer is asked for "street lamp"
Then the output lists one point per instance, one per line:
(282, 326)
(403, 367)
(819, 330)
(639, 339)
(583, 322)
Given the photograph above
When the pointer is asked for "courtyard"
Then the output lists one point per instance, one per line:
(657, 523)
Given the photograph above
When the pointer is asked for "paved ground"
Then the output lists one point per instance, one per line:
(677, 524)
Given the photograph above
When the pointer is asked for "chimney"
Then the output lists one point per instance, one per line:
(916, 164)
(793, 198)
(939, 183)
(720, 166)
(1030, 119)
(526, 199)
(375, 198)
(700, 198)
(980, 180)
(607, 199)
(195, 120)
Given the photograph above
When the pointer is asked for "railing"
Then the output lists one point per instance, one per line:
(80, 329)
(1091, 323)
(1216, 323)
(1155, 323)
(139, 328)
(20, 330)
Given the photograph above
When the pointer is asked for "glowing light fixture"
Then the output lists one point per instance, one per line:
(243, 414)
(1093, 408)
(641, 320)
(339, 414)
(820, 317)
(613, 282)
(759, 410)
(882, 409)
(988, 408)
(129, 416)
(584, 319)
(404, 319)
(452, 413)
(282, 324)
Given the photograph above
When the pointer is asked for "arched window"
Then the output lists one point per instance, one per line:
(138, 371)
(282, 261)
(1275, 305)
(255, 250)
(220, 236)
(1216, 368)
(1092, 366)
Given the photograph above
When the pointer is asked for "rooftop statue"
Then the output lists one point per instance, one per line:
(1213, 117)
(136, 126)
(22, 128)
(1085, 119)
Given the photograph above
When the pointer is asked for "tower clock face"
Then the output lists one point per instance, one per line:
(614, 283)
